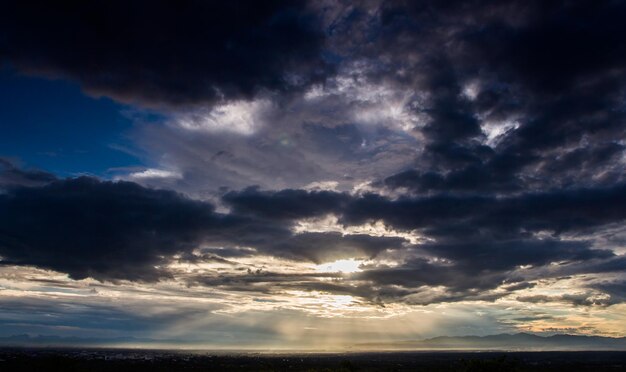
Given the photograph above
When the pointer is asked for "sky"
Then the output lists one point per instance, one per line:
(309, 174)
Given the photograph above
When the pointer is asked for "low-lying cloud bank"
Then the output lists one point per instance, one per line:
(469, 248)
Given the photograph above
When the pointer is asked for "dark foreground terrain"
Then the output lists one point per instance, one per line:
(117, 360)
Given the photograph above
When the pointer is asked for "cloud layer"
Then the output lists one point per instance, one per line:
(468, 247)
(457, 151)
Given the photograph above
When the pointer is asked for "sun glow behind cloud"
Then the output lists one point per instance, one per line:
(340, 266)
(290, 317)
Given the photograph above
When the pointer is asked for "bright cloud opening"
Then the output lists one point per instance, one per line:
(340, 266)
(242, 117)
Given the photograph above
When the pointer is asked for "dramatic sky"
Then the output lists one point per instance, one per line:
(312, 174)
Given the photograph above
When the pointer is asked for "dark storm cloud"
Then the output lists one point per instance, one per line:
(285, 204)
(583, 299)
(13, 176)
(335, 283)
(480, 266)
(554, 71)
(478, 243)
(160, 52)
(507, 255)
(478, 81)
(331, 246)
(121, 230)
(555, 211)
(615, 289)
(546, 47)
(469, 179)
(105, 230)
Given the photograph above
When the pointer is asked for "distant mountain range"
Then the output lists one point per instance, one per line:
(505, 341)
(511, 342)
